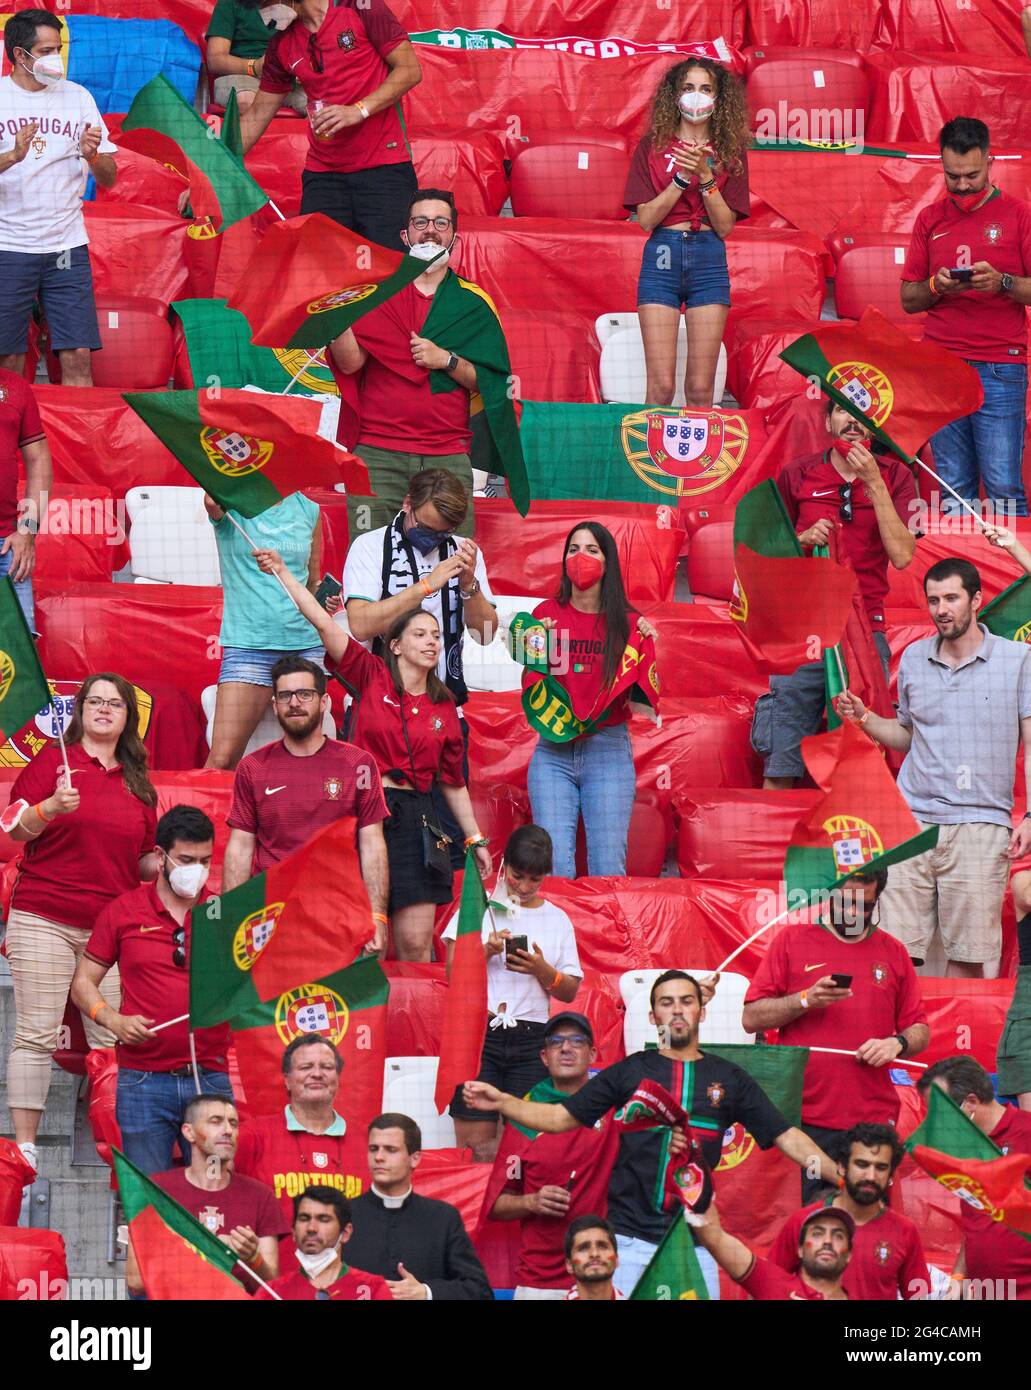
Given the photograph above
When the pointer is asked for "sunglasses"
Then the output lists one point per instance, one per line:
(314, 53)
(845, 510)
(179, 948)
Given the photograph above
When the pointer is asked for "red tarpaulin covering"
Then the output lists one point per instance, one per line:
(33, 1265)
(96, 440)
(989, 27)
(962, 538)
(212, 793)
(914, 95)
(846, 24)
(724, 834)
(524, 554)
(82, 540)
(138, 251)
(965, 1016)
(689, 21)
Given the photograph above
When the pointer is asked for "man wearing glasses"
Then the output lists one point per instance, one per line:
(146, 933)
(287, 791)
(865, 503)
(322, 1227)
(545, 1181)
(355, 63)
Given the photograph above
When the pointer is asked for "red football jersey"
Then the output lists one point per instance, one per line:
(887, 1256)
(353, 1286)
(19, 425)
(993, 1252)
(767, 1282)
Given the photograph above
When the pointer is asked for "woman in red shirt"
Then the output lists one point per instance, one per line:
(406, 718)
(87, 844)
(592, 775)
(688, 185)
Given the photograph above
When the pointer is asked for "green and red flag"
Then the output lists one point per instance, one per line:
(303, 919)
(349, 1008)
(549, 708)
(178, 1257)
(162, 126)
(23, 686)
(219, 349)
(1009, 613)
(465, 1008)
(247, 450)
(673, 1273)
(957, 1154)
(789, 608)
(309, 279)
(900, 389)
(860, 822)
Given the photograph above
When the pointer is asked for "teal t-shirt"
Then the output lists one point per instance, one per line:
(256, 613)
(247, 32)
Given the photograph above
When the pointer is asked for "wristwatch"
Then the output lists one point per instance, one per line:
(901, 1040)
(451, 363)
(470, 593)
(1007, 284)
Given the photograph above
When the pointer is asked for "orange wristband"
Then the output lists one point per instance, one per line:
(100, 1004)
(379, 917)
(557, 980)
(426, 588)
(933, 287)
(38, 808)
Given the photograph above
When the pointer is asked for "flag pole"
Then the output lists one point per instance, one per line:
(254, 546)
(844, 1052)
(312, 357)
(259, 1280)
(59, 726)
(193, 1062)
(961, 500)
(754, 937)
(168, 1023)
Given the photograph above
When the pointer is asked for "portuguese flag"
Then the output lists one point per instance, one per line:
(310, 279)
(953, 1150)
(179, 1258)
(780, 629)
(673, 1273)
(302, 919)
(639, 453)
(901, 390)
(162, 126)
(860, 822)
(23, 686)
(350, 1008)
(1009, 613)
(465, 1008)
(248, 451)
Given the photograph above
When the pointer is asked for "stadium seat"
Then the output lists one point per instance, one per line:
(624, 376)
(408, 1086)
(772, 53)
(171, 540)
(710, 563)
(491, 667)
(268, 731)
(841, 241)
(136, 338)
(870, 275)
(570, 180)
(605, 325)
(15, 1175)
(808, 98)
(72, 1056)
(722, 1021)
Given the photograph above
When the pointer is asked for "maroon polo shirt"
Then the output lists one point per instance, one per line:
(242, 1202)
(84, 860)
(136, 933)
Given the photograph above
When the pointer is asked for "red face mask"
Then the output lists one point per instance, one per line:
(966, 202)
(584, 570)
(844, 446)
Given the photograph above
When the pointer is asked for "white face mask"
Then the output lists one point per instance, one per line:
(282, 16)
(314, 1265)
(49, 68)
(186, 880)
(426, 250)
(696, 106)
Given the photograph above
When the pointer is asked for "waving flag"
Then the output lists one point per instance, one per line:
(673, 1273)
(1009, 613)
(465, 1008)
(246, 450)
(219, 347)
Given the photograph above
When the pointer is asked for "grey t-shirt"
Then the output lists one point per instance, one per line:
(961, 764)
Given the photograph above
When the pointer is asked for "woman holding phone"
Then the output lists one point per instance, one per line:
(688, 185)
(406, 718)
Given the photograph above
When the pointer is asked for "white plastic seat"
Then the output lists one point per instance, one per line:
(171, 540)
(622, 370)
(490, 666)
(268, 730)
(607, 324)
(722, 1021)
(408, 1087)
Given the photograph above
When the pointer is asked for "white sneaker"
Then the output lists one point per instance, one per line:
(31, 1154)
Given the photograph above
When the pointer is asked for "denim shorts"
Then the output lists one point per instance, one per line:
(684, 268)
(253, 666)
(63, 283)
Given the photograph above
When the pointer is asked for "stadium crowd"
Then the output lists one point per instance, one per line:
(588, 1151)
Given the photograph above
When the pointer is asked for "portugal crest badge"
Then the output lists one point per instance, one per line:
(311, 1009)
(234, 454)
(854, 842)
(253, 934)
(866, 387)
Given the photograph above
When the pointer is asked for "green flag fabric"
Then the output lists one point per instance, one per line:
(673, 1273)
(947, 1129)
(220, 351)
(780, 1071)
(761, 523)
(138, 1193)
(1009, 613)
(23, 686)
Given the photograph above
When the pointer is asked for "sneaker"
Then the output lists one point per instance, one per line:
(30, 1154)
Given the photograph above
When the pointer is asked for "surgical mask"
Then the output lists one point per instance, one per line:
(424, 538)
(695, 106)
(282, 16)
(186, 880)
(427, 250)
(49, 68)
(966, 202)
(584, 570)
(314, 1265)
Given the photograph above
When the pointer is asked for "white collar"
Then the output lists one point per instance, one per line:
(392, 1203)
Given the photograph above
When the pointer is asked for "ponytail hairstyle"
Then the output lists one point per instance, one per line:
(614, 607)
(129, 749)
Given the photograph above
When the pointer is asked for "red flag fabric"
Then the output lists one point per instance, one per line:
(789, 610)
(174, 1271)
(465, 1010)
(994, 1186)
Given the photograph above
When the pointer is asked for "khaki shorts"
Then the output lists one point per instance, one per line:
(957, 887)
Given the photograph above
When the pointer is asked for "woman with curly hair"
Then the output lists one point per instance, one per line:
(688, 184)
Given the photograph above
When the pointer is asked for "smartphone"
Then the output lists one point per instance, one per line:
(516, 943)
(842, 981)
(328, 588)
(962, 272)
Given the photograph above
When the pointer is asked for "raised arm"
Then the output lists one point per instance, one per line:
(332, 635)
(548, 1119)
(731, 1254)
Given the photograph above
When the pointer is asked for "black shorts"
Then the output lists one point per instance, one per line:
(371, 202)
(410, 881)
(511, 1060)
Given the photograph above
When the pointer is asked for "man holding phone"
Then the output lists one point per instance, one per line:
(840, 983)
(969, 269)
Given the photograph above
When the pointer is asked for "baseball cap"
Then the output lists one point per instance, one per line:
(575, 1020)
(821, 1213)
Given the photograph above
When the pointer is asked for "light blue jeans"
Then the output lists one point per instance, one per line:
(987, 446)
(22, 590)
(593, 777)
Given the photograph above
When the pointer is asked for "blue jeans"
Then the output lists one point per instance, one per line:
(22, 588)
(593, 777)
(684, 268)
(987, 446)
(149, 1108)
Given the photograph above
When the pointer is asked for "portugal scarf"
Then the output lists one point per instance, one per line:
(687, 1179)
(548, 707)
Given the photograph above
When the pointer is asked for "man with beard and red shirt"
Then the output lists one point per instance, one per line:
(322, 1227)
(557, 1177)
(887, 1256)
(865, 502)
(992, 1255)
(824, 1249)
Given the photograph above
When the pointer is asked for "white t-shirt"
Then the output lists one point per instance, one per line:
(523, 997)
(363, 578)
(41, 198)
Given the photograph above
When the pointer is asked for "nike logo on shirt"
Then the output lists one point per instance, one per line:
(147, 929)
(828, 492)
(806, 969)
(271, 791)
(936, 235)
(388, 701)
